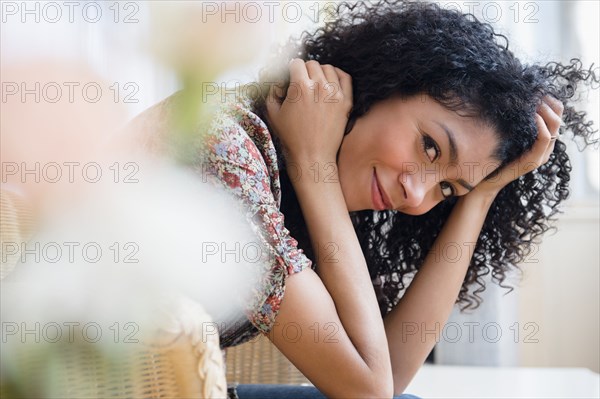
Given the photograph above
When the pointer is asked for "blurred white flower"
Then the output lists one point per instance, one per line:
(121, 249)
(206, 38)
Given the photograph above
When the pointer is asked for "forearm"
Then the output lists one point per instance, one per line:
(340, 262)
(428, 302)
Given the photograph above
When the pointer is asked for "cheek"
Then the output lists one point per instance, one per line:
(394, 147)
(473, 172)
(431, 200)
(425, 207)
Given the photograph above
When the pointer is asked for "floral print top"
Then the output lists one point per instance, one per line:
(238, 154)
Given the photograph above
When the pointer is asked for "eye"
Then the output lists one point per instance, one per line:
(430, 148)
(447, 190)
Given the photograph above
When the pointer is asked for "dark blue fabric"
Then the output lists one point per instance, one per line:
(264, 391)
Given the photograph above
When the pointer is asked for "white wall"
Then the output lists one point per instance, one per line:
(560, 295)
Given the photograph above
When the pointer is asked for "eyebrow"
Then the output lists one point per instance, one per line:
(450, 134)
(465, 184)
(454, 153)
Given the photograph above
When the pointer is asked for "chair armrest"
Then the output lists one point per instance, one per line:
(186, 336)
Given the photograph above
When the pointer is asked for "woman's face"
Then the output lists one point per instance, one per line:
(410, 154)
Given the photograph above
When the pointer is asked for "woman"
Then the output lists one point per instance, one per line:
(403, 129)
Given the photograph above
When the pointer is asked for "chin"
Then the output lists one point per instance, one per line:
(414, 212)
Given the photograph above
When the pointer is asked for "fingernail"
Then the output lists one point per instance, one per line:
(291, 61)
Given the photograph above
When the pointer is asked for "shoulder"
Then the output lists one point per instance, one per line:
(239, 149)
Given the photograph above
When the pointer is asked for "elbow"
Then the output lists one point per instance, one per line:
(369, 383)
(370, 393)
(398, 391)
(383, 388)
(386, 392)
(399, 387)
(369, 388)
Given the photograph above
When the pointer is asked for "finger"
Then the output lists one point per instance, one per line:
(345, 83)
(315, 72)
(330, 73)
(333, 81)
(298, 71)
(543, 133)
(533, 158)
(551, 118)
(273, 102)
(555, 104)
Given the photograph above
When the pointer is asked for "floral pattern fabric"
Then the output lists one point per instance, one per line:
(239, 154)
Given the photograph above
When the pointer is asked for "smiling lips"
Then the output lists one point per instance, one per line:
(380, 199)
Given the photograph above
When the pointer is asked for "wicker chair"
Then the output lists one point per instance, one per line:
(178, 363)
(175, 361)
(260, 362)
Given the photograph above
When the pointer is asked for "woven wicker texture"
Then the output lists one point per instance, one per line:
(16, 226)
(260, 362)
(175, 359)
(82, 370)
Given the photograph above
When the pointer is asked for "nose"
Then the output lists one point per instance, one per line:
(416, 187)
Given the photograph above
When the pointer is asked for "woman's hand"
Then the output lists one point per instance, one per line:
(549, 120)
(310, 121)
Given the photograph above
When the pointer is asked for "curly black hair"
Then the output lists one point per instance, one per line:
(407, 48)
